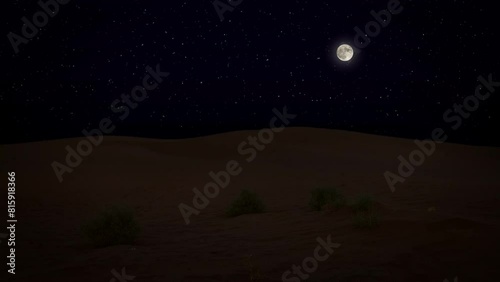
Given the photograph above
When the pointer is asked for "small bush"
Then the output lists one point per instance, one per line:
(363, 204)
(114, 226)
(247, 202)
(328, 198)
(365, 216)
(366, 220)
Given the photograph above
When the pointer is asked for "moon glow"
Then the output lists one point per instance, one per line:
(345, 52)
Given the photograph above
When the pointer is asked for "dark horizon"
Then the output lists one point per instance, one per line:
(473, 140)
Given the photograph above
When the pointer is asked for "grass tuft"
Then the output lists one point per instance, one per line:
(366, 220)
(247, 202)
(365, 216)
(114, 226)
(326, 198)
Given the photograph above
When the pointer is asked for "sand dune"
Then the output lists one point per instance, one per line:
(444, 221)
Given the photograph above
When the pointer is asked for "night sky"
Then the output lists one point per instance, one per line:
(229, 75)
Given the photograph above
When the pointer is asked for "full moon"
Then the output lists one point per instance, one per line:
(345, 52)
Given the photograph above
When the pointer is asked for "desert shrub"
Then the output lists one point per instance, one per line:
(366, 219)
(114, 226)
(329, 198)
(247, 202)
(364, 214)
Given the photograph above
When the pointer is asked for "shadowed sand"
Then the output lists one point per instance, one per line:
(444, 221)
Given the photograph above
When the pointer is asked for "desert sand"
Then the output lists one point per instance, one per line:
(443, 222)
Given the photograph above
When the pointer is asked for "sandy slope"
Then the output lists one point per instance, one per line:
(460, 238)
